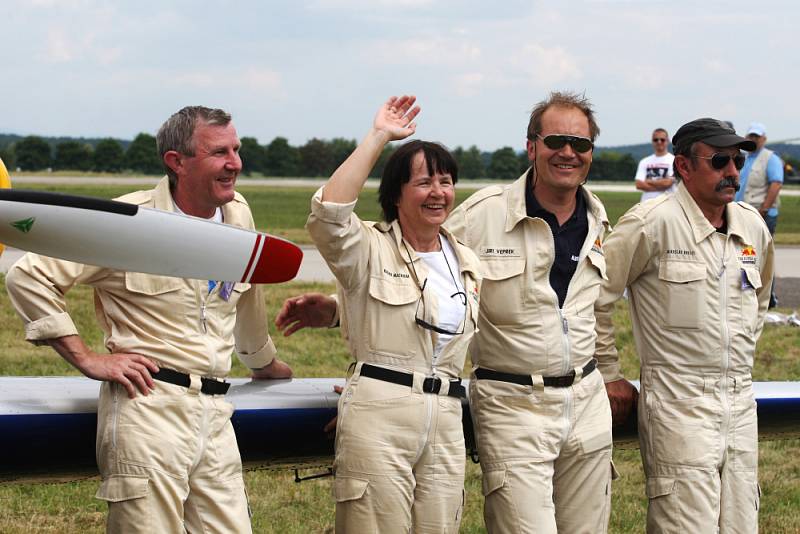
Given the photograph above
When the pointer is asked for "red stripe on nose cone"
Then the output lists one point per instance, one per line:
(279, 262)
(253, 253)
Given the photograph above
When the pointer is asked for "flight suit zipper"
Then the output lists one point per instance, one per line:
(203, 430)
(726, 345)
(212, 287)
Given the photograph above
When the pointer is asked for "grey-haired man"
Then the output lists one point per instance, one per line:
(698, 267)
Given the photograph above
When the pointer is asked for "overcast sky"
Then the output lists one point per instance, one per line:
(303, 69)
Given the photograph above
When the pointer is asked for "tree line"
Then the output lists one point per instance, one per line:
(316, 158)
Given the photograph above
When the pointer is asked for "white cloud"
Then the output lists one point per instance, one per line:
(263, 80)
(58, 48)
(545, 66)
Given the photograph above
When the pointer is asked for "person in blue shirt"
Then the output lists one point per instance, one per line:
(760, 181)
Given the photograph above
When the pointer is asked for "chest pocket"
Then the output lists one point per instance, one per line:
(683, 293)
(149, 284)
(390, 317)
(503, 290)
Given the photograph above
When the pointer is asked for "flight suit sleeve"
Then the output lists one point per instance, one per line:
(627, 251)
(254, 345)
(341, 238)
(37, 286)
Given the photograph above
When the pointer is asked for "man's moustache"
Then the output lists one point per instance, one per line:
(727, 182)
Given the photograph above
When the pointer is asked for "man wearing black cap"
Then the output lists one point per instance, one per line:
(698, 267)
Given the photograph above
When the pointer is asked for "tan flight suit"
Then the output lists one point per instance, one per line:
(545, 451)
(697, 300)
(168, 460)
(399, 452)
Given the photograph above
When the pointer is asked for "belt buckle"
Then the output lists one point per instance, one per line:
(432, 384)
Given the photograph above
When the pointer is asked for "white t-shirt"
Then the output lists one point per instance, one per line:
(440, 286)
(217, 217)
(654, 167)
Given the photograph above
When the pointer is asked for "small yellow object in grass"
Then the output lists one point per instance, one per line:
(5, 183)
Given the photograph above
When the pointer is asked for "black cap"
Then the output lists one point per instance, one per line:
(711, 132)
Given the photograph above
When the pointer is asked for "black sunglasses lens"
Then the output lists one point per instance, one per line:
(557, 142)
(580, 144)
(659, 140)
(719, 161)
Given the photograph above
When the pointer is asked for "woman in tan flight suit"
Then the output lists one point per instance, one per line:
(408, 295)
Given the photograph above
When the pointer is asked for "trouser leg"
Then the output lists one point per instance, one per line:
(439, 472)
(739, 502)
(379, 436)
(583, 470)
(686, 501)
(217, 500)
(519, 498)
(143, 453)
(740, 497)
(582, 492)
(372, 504)
(682, 447)
(772, 223)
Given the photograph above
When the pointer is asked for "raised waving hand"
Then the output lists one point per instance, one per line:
(393, 121)
(396, 117)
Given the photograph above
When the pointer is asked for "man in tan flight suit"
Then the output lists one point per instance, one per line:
(166, 449)
(542, 417)
(698, 267)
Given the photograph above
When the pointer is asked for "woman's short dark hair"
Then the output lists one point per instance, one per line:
(398, 171)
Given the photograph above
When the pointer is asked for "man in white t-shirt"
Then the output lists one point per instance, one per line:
(655, 175)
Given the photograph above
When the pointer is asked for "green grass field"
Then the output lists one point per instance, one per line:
(281, 506)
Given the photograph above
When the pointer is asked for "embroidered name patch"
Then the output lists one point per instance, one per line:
(499, 252)
(679, 252)
(396, 275)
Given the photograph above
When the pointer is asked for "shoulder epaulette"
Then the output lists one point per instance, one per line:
(483, 194)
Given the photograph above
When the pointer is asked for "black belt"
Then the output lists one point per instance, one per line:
(431, 384)
(525, 380)
(209, 387)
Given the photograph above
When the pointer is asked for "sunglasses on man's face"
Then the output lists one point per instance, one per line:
(558, 141)
(659, 139)
(719, 160)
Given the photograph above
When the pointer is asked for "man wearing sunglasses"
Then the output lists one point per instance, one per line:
(654, 175)
(762, 179)
(698, 268)
(541, 413)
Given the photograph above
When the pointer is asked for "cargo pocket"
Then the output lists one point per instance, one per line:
(118, 488)
(683, 293)
(127, 501)
(661, 509)
(493, 481)
(349, 489)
